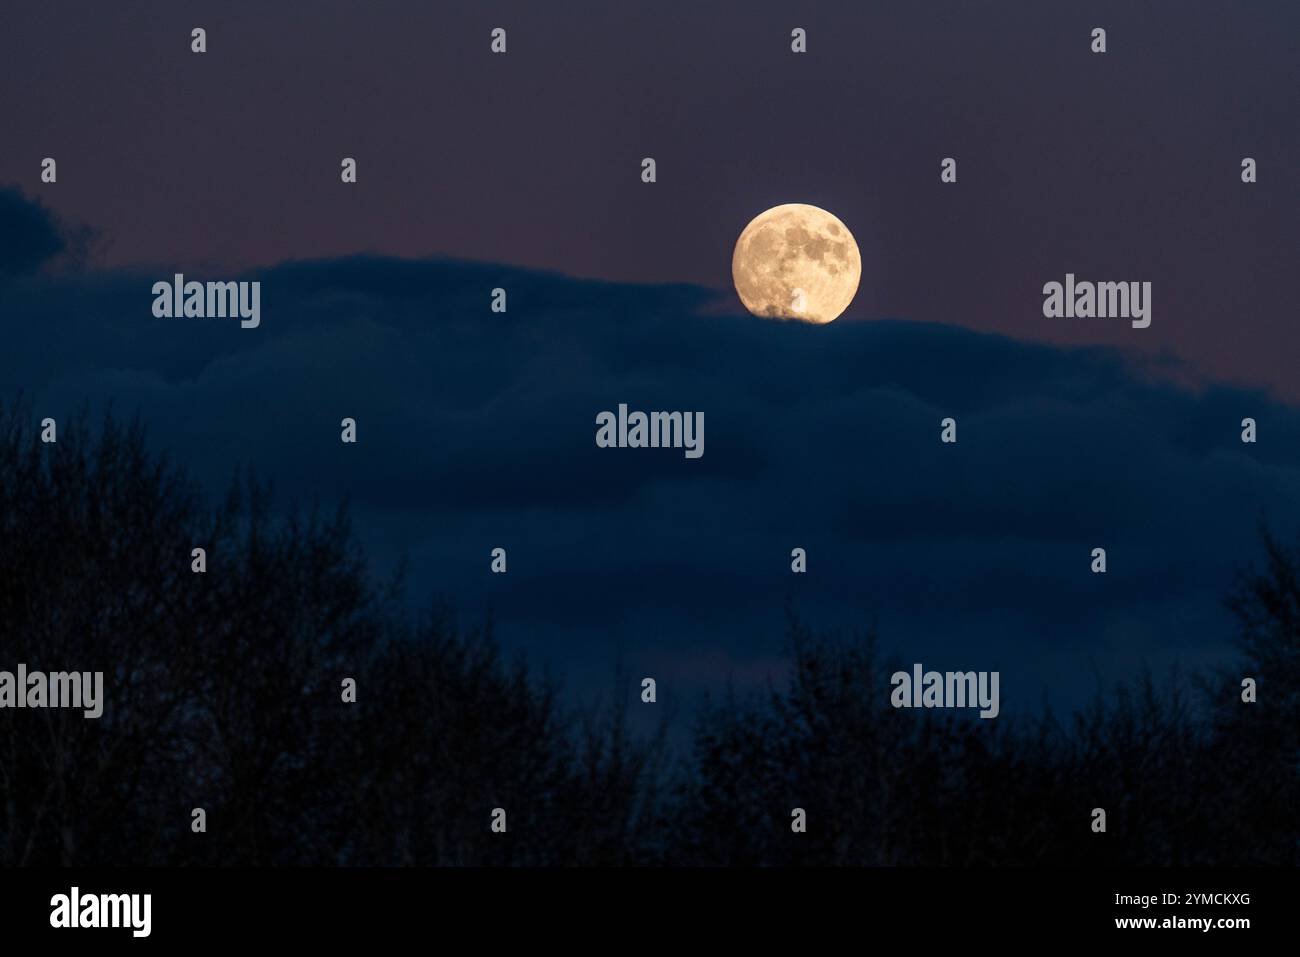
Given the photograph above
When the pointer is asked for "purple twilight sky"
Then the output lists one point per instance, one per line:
(1123, 166)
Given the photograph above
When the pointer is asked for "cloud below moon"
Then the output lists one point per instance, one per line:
(479, 431)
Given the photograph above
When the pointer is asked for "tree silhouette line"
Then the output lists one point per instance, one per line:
(223, 693)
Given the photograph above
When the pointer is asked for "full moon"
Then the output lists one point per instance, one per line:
(796, 262)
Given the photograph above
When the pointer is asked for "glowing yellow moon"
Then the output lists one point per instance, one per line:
(796, 262)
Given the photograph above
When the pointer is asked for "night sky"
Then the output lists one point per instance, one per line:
(523, 171)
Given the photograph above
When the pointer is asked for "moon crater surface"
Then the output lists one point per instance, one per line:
(796, 262)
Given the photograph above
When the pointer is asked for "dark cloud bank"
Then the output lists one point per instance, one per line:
(476, 430)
